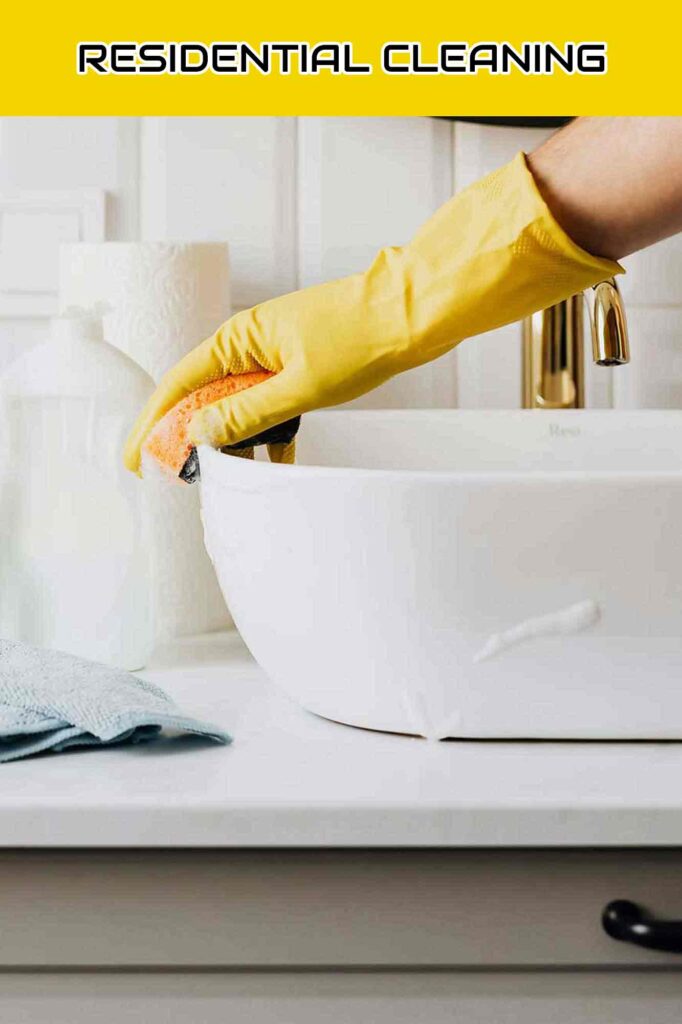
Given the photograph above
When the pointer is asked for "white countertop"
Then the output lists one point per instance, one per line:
(291, 779)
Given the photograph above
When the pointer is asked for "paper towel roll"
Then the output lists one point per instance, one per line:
(163, 299)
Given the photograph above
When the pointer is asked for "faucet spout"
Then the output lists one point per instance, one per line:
(610, 344)
(553, 346)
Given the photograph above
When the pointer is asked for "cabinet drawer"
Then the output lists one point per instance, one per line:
(325, 998)
(328, 908)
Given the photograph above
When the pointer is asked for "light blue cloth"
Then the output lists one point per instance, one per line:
(51, 701)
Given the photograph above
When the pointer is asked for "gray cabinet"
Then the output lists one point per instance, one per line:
(327, 936)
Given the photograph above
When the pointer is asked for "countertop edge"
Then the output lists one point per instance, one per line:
(314, 828)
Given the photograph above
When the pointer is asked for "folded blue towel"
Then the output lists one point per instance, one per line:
(50, 700)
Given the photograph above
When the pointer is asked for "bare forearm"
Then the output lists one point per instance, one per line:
(614, 183)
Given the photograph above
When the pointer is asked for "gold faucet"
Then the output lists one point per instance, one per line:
(553, 346)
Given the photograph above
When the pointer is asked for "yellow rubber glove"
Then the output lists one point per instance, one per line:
(491, 255)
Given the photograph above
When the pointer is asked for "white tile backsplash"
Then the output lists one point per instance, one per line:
(488, 367)
(61, 152)
(489, 370)
(479, 149)
(654, 276)
(207, 179)
(653, 380)
(366, 183)
(302, 200)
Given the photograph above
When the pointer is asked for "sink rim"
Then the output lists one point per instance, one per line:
(237, 471)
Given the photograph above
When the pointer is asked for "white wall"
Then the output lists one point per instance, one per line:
(300, 200)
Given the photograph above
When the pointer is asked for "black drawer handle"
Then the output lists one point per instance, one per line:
(627, 922)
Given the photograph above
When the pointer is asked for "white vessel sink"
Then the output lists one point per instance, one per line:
(464, 574)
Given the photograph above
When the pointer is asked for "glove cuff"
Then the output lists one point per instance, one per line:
(596, 266)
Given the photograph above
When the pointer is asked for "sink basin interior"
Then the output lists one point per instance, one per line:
(514, 441)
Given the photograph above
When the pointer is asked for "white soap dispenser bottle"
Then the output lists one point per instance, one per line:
(74, 524)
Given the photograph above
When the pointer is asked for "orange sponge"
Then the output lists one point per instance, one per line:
(168, 446)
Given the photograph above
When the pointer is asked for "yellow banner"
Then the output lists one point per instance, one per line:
(350, 58)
